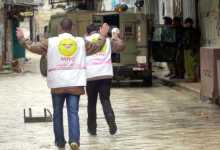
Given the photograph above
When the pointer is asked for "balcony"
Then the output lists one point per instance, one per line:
(24, 2)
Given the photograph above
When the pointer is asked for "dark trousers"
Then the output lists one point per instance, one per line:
(72, 105)
(180, 68)
(101, 88)
(176, 67)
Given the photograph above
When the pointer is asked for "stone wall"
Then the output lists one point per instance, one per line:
(1, 36)
(209, 21)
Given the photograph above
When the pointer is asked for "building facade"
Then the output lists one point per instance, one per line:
(12, 13)
(205, 14)
(209, 22)
(1, 33)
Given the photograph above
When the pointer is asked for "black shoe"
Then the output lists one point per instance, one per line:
(173, 77)
(112, 127)
(61, 147)
(168, 75)
(92, 132)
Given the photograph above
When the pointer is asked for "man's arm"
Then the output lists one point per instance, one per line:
(91, 47)
(117, 44)
(38, 47)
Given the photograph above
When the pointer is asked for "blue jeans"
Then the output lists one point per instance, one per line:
(72, 104)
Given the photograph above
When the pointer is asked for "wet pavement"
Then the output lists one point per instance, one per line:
(157, 118)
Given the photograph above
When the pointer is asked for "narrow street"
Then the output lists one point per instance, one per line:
(157, 118)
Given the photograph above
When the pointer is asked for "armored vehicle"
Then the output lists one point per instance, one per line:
(133, 64)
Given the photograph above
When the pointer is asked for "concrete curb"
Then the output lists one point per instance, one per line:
(6, 72)
(171, 84)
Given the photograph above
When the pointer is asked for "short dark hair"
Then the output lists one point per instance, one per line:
(188, 20)
(177, 20)
(167, 20)
(91, 28)
(66, 24)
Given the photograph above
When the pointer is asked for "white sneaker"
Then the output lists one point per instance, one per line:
(74, 146)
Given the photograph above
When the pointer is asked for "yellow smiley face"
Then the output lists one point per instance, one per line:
(104, 48)
(68, 47)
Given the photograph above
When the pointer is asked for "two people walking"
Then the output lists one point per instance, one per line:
(67, 75)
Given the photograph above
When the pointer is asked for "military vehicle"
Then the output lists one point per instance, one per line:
(133, 64)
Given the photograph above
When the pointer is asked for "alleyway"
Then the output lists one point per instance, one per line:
(157, 118)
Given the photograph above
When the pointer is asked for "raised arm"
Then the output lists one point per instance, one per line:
(117, 43)
(37, 48)
(91, 47)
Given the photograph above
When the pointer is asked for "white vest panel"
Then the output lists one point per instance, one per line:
(99, 64)
(66, 61)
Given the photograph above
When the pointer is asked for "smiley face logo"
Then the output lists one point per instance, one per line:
(68, 47)
(104, 48)
(95, 39)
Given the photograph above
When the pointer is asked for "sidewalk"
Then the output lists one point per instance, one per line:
(25, 66)
(191, 86)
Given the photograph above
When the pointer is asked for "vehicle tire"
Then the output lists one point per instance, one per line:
(43, 65)
(147, 80)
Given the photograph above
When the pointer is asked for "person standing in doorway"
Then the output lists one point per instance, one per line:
(165, 34)
(179, 62)
(191, 44)
(99, 78)
(66, 75)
